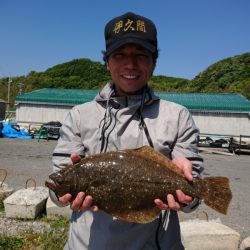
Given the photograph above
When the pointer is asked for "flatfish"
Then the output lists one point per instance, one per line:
(125, 183)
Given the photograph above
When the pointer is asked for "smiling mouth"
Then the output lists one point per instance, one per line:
(130, 77)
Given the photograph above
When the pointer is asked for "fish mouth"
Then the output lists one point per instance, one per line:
(50, 184)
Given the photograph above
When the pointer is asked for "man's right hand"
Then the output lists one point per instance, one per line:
(80, 203)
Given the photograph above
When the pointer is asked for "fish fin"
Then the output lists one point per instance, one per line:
(142, 216)
(217, 194)
(151, 154)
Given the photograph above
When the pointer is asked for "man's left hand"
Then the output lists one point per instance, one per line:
(186, 166)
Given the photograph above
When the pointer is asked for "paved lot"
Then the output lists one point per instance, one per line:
(29, 158)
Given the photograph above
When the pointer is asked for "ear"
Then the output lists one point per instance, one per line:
(107, 65)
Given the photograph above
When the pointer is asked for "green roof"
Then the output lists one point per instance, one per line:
(209, 101)
(192, 101)
(68, 97)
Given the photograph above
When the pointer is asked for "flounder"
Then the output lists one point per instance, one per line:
(125, 183)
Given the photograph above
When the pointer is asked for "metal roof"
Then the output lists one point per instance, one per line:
(209, 101)
(68, 97)
(192, 101)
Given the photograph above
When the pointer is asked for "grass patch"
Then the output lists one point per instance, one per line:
(1, 206)
(49, 241)
(58, 223)
(55, 239)
(11, 242)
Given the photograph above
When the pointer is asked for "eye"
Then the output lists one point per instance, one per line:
(117, 55)
(143, 54)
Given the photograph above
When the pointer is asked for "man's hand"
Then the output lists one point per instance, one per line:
(82, 201)
(186, 166)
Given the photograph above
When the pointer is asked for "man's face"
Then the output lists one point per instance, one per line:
(130, 69)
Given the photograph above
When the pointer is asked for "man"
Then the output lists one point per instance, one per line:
(127, 114)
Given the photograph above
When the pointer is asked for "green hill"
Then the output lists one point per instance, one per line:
(231, 75)
(78, 73)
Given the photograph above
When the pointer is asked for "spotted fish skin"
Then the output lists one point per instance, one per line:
(125, 183)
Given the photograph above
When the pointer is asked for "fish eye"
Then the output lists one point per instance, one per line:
(60, 180)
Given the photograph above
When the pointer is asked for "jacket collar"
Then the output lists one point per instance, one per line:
(107, 94)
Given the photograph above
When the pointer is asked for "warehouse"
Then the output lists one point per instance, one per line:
(2, 109)
(223, 114)
(45, 105)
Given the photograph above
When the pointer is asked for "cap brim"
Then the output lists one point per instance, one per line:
(122, 42)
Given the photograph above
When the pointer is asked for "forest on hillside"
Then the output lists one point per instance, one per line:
(230, 75)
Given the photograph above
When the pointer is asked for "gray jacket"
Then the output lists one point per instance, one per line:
(111, 123)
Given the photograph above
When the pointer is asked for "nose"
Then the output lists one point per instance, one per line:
(131, 61)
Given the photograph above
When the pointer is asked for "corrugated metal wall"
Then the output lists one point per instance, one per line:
(222, 123)
(207, 122)
(40, 113)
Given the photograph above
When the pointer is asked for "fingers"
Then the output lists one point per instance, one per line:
(95, 208)
(75, 157)
(188, 172)
(80, 203)
(83, 202)
(172, 203)
(185, 165)
(183, 198)
(65, 199)
(160, 204)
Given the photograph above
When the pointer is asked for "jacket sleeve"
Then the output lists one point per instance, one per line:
(68, 143)
(187, 145)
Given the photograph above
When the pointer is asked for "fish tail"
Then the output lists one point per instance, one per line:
(217, 193)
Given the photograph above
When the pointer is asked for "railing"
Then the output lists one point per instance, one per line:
(234, 143)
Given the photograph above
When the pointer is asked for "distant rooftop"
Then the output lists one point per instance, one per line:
(192, 101)
(209, 101)
(68, 97)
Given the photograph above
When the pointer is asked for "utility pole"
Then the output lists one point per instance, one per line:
(20, 88)
(8, 98)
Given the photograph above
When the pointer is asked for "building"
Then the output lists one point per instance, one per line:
(45, 105)
(222, 114)
(2, 109)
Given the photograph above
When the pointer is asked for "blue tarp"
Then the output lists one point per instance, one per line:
(12, 130)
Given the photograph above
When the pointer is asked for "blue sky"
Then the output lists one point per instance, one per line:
(192, 34)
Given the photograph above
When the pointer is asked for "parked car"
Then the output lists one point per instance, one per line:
(238, 145)
(53, 129)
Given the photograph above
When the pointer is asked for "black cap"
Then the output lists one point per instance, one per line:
(130, 28)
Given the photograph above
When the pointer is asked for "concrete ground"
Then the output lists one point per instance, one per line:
(25, 159)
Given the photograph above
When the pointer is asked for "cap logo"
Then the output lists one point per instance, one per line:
(129, 25)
